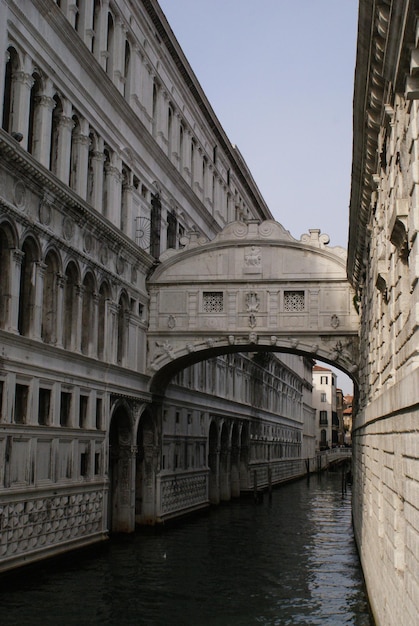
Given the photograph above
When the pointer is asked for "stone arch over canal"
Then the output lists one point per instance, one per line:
(252, 288)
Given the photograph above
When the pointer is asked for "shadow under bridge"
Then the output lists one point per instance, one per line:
(252, 288)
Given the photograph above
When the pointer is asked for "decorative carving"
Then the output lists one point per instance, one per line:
(190, 347)
(104, 255)
(252, 320)
(252, 302)
(334, 321)
(88, 243)
(253, 259)
(253, 338)
(68, 228)
(171, 322)
(120, 264)
(274, 340)
(231, 340)
(164, 348)
(19, 194)
(45, 212)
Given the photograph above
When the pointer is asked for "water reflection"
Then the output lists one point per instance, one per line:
(291, 561)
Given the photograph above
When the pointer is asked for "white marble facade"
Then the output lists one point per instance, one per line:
(383, 266)
(109, 155)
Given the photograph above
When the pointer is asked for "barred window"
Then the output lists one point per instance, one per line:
(293, 300)
(213, 302)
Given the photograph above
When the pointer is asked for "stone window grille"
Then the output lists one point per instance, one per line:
(213, 302)
(294, 301)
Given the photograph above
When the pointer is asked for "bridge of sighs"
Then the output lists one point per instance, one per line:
(252, 288)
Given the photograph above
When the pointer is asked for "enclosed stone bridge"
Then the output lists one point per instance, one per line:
(252, 288)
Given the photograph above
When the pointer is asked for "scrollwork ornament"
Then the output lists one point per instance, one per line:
(334, 321)
(171, 322)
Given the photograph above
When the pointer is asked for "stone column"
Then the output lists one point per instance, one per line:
(123, 487)
(135, 78)
(21, 93)
(65, 127)
(101, 52)
(61, 280)
(96, 192)
(81, 145)
(111, 335)
(43, 123)
(36, 318)
(127, 217)
(14, 289)
(113, 182)
(94, 331)
(78, 315)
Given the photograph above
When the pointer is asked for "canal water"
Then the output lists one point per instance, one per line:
(291, 560)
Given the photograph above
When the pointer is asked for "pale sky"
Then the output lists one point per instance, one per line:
(279, 75)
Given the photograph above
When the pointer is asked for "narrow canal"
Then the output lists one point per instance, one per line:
(289, 561)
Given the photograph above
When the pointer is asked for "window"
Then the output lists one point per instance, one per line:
(65, 407)
(83, 404)
(323, 380)
(99, 413)
(323, 397)
(293, 301)
(213, 302)
(323, 417)
(44, 404)
(97, 463)
(21, 403)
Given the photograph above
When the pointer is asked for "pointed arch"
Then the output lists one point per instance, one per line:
(88, 317)
(12, 66)
(27, 287)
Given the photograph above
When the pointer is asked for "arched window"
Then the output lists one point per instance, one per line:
(154, 110)
(88, 317)
(27, 287)
(74, 154)
(70, 306)
(50, 298)
(127, 71)
(34, 128)
(181, 141)
(169, 132)
(12, 66)
(55, 129)
(110, 46)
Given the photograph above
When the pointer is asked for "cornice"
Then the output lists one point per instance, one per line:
(28, 167)
(382, 67)
(386, 42)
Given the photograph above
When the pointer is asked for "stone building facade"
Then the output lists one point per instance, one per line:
(110, 154)
(383, 266)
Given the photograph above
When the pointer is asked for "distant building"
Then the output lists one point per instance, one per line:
(325, 405)
(347, 419)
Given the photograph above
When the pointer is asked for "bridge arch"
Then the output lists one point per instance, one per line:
(253, 288)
